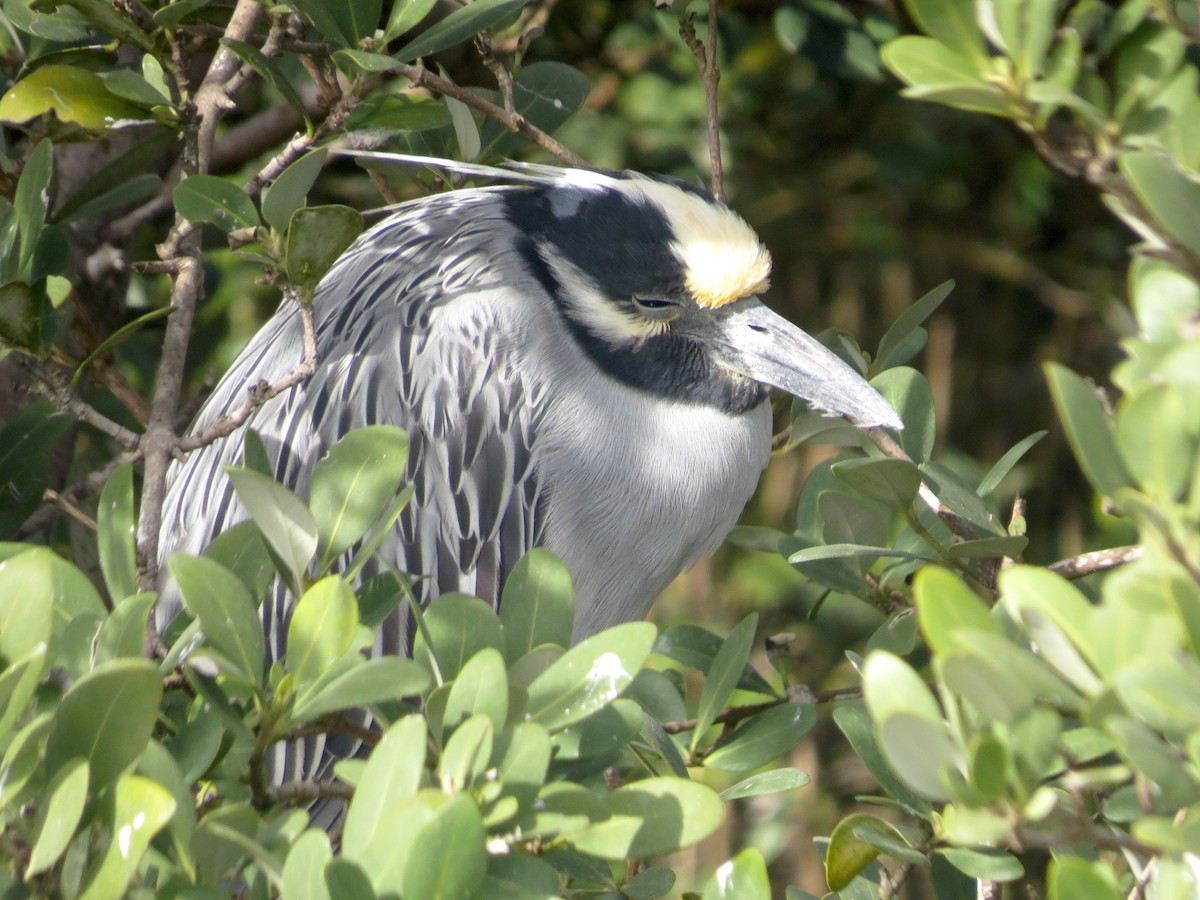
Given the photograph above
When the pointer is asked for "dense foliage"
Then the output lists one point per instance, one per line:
(171, 171)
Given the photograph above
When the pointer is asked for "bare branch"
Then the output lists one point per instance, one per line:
(56, 499)
(710, 71)
(1096, 561)
(299, 793)
(51, 382)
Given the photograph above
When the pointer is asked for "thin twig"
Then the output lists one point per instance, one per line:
(710, 72)
(304, 792)
(56, 499)
(261, 392)
(72, 495)
(50, 382)
(1096, 561)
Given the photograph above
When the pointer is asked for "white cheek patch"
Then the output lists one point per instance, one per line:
(598, 313)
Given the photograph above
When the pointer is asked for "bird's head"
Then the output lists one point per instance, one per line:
(660, 283)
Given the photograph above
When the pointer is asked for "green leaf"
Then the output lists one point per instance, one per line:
(908, 322)
(323, 627)
(1010, 547)
(106, 718)
(347, 881)
(1006, 463)
(59, 24)
(207, 198)
(332, 22)
(226, 611)
(272, 74)
(850, 551)
(655, 881)
(25, 441)
(289, 191)
(652, 817)
(723, 675)
(447, 859)
(537, 605)
(57, 821)
(893, 482)
(480, 688)
(1165, 190)
(907, 391)
(952, 22)
(405, 15)
(985, 865)
(773, 781)
(372, 681)
(742, 878)
(1057, 617)
(590, 675)
(995, 693)
(120, 336)
(1087, 430)
(697, 647)
(21, 312)
(109, 18)
(463, 23)
(912, 734)
(764, 738)
(317, 236)
(944, 605)
(392, 776)
(285, 522)
(304, 869)
(73, 94)
(546, 94)
(854, 844)
(935, 72)
(241, 550)
(459, 626)
(1073, 878)
(141, 808)
(26, 602)
(123, 633)
(18, 684)
(32, 201)
(1156, 446)
(115, 533)
(466, 754)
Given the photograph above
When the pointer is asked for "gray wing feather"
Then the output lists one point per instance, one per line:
(406, 325)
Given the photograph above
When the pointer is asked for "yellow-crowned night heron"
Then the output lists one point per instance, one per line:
(581, 362)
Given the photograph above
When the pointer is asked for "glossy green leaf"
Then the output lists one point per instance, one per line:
(986, 865)
(697, 647)
(73, 94)
(1073, 878)
(996, 694)
(908, 392)
(1006, 463)
(289, 191)
(405, 15)
(945, 604)
(961, 496)
(1156, 445)
(304, 868)
(546, 94)
(1087, 429)
(906, 324)
(773, 781)
(856, 841)
(207, 198)
(463, 23)
(67, 793)
(59, 24)
(935, 72)
(537, 605)
(459, 626)
(26, 602)
(25, 441)
(652, 817)
(18, 683)
(590, 675)
(1058, 618)
(347, 881)
(742, 878)
(912, 735)
(480, 688)
(111, 20)
(952, 23)
(32, 201)
(285, 522)
(392, 776)
(522, 760)
(227, 613)
(655, 881)
(115, 533)
(852, 551)
(123, 633)
(597, 740)
(332, 22)
(447, 859)
(848, 519)
(764, 738)
(272, 73)
(140, 809)
(106, 718)
(242, 551)
(21, 313)
(317, 236)
(121, 335)
(466, 754)
(893, 482)
(323, 627)
(520, 876)
(371, 681)
(723, 675)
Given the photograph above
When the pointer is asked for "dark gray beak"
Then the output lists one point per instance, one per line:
(757, 343)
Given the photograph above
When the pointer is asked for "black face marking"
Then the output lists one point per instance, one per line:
(623, 247)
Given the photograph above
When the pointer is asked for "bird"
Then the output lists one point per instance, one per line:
(581, 360)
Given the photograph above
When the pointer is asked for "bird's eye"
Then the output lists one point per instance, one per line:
(657, 308)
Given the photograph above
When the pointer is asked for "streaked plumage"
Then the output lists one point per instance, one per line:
(580, 363)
